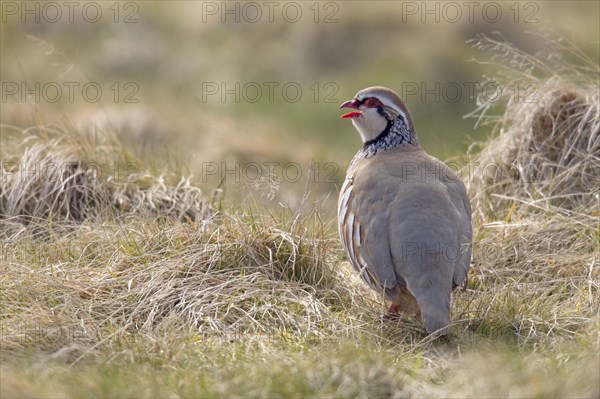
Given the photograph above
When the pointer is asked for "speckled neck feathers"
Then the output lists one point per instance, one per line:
(395, 134)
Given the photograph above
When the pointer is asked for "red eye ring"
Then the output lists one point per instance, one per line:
(372, 102)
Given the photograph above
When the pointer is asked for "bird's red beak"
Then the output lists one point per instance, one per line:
(351, 104)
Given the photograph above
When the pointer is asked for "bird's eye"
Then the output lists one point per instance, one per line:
(372, 103)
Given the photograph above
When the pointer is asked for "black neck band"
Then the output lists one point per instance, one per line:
(381, 135)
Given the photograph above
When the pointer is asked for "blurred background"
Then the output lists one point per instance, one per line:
(249, 91)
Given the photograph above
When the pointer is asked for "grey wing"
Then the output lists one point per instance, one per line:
(366, 240)
(465, 234)
(425, 234)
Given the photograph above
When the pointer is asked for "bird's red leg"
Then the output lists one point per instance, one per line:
(393, 313)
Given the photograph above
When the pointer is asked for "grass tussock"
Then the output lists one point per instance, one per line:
(250, 302)
(536, 200)
(59, 174)
(546, 152)
(224, 277)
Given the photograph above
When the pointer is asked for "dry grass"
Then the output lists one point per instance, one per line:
(546, 152)
(62, 175)
(224, 276)
(103, 299)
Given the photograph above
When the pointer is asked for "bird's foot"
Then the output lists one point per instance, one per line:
(393, 313)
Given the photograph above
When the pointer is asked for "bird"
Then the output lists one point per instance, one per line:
(404, 217)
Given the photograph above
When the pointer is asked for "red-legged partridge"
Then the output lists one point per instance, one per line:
(404, 216)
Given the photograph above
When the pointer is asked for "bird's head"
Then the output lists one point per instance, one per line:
(374, 109)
